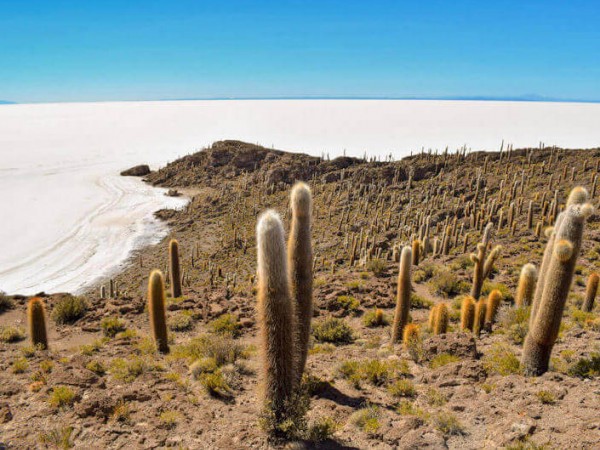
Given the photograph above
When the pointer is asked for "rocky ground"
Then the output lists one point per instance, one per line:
(101, 383)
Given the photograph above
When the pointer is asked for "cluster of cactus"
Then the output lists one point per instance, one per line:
(438, 319)
(284, 300)
(554, 282)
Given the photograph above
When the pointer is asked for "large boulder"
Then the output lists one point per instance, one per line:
(137, 171)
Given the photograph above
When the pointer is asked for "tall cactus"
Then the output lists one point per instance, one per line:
(416, 250)
(479, 262)
(467, 313)
(36, 319)
(156, 311)
(526, 286)
(275, 314)
(556, 283)
(300, 261)
(175, 269)
(403, 295)
(590, 292)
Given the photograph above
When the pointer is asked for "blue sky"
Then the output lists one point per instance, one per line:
(90, 50)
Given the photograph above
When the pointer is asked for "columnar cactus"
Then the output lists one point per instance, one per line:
(479, 262)
(480, 312)
(300, 259)
(416, 250)
(526, 286)
(36, 319)
(156, 310)
(275, 314)
(467, 314)
(431, 320)
(493, 303)
(555, 283)
(403, 295)
(491, 259)
(590, 292)
(175, 269)
(440, 324)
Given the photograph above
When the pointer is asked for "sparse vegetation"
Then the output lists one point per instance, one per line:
(501, 359)
(69, 309)
(9, 334)
(333, 330)
(226, 324)
(61, 396)
(111, 326)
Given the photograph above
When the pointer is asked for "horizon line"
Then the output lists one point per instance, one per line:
(479, 98)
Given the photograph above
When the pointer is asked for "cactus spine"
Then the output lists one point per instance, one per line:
(590, 292)
(300, 259)
(480, 313)
(275, 314)
(440, 324)
(556, 283)
(36, 319)
(175, 270)
(467, 314)
(156, 310)
(526, 286)
(493, 303)
(403, 295)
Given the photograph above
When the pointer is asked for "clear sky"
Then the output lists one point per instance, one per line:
(85, 50)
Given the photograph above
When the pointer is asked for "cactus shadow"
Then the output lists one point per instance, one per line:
(332, 393)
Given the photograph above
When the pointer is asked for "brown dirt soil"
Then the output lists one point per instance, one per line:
(475, 398)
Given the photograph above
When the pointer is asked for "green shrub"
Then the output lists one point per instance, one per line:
(19, 365)
(61, 396)
(367, 419)
(226, 324)
(223, 349)
(418, 302)
(446, 283)
(180, 322)
(377, 266)
(435, 397)
(333, 330)
(373, 371)
(514, 322)
(58, 437)
(586, 367)
(347, 303)
(6, 302)
(69, 309)
(96, 366)
(489, 286)
(111, 326)
(442, 359)
(169, 419)
(375, 318)
(9, 334)
(447, 423)
(128, 369)
(501, 360)
(90, 349)
(402, 388)
(215, 384)
(424, 272)
(546, 397)
(321, 429)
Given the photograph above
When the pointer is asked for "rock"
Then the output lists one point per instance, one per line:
(246, 322)
(172, 193)
(417, 439)
(5, 414)
(398, 429)
(137, 171)
(457, 344)
(95, 404)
